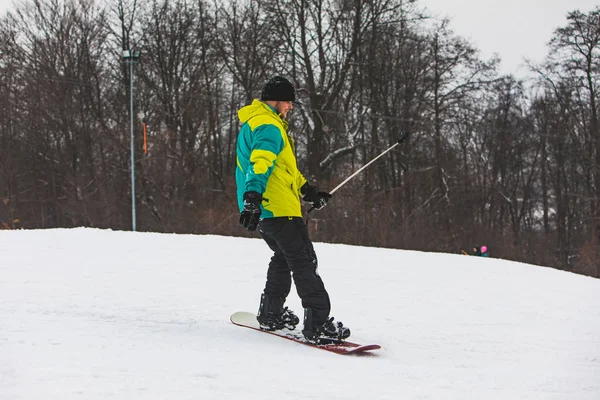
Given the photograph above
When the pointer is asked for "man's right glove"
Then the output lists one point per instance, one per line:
(312, 195)
(251, 212)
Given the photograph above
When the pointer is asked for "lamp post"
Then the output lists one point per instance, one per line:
(131, 56)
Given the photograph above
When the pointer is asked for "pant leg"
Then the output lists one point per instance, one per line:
(291, 237)
(279, 280)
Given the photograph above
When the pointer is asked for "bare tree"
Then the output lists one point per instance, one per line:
(575, 60)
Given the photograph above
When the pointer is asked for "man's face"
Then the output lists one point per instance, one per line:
(283, 107)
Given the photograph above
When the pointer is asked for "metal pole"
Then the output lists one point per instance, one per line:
(131, 61)
(363, 167)
(401, 139)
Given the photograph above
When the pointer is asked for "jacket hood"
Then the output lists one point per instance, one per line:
(258, 108)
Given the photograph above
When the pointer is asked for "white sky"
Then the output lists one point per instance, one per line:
(98, 314)
(5, 5)
(512, 28)
(515, 29)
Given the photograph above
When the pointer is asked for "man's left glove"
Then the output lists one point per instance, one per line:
(312, 195)
(251, 212)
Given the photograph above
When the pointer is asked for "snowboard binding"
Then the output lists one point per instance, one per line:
(326, 333)
(273, 316)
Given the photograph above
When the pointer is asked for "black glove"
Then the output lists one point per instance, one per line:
(311, 194)
(251, 212)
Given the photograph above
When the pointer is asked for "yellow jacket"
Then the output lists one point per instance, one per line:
(266, 162)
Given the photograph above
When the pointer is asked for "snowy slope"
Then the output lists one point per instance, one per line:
(97, 314)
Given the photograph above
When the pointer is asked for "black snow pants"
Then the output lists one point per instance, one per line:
(293, 253)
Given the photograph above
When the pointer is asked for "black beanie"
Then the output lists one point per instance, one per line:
(279, 89)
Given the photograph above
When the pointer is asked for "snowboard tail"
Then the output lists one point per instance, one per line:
(248, 320)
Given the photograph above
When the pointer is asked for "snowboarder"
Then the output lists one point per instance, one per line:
(269, 187)
(480, 251)
(484, 251)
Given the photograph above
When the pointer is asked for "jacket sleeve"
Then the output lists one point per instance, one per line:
(267, 143)
(300, 181)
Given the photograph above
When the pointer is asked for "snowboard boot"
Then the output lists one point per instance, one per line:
(317, 332)
(272, 315)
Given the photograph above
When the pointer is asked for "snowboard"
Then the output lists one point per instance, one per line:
(248, 320)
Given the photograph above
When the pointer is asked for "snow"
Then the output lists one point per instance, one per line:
(99, 314)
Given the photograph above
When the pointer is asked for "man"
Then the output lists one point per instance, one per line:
(269, 187)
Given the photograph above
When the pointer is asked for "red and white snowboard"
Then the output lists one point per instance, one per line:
(248, 320)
